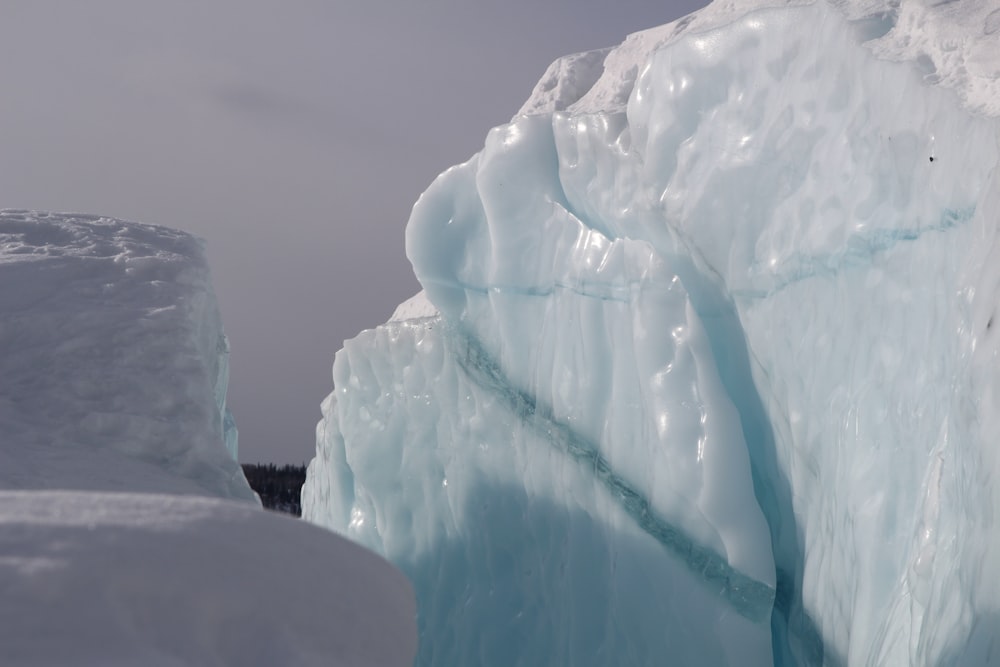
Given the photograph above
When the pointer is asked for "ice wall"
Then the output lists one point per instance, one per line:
(116, 365)
(710, 369)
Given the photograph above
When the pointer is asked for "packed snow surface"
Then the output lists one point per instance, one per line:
(143, 579)
(114, 365)
(705, 366)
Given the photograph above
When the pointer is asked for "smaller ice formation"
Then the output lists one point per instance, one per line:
(114, 366)
(113, 429)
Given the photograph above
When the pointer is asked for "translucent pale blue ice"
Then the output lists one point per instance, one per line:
(748, 597)
(713, 369)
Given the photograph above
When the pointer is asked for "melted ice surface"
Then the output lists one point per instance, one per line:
(711, 366)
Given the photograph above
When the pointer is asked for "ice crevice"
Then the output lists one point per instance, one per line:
(794, 633)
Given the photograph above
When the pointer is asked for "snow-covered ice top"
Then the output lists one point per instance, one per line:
(954, 44)
(706, 361)
(155, 580)
(114, 364)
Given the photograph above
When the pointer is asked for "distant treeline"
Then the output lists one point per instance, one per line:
(279, 488)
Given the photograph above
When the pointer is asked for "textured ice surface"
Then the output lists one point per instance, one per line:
(142, 579)
(114, 366)
(705, 364)
(531, 524)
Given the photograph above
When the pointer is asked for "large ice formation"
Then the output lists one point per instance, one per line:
(705, 366)
(115, 365)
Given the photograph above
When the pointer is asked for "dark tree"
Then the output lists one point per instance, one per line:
(279, 488)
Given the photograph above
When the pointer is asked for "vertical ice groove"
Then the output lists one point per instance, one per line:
(793, 630)
(230, 433)
(747, 596)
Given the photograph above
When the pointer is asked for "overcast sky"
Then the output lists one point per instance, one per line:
(292, 135)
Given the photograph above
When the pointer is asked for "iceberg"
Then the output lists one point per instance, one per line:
(703, 370)
(117, 366)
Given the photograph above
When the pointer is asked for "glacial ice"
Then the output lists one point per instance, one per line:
(705, 365)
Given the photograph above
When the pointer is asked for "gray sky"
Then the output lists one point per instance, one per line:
(293, 135)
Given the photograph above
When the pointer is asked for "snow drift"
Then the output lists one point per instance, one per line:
(144, 579)
(705, 366)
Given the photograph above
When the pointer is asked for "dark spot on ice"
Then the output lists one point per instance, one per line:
(932, 158)
(989, 324)
(992, 23)
(682, 24)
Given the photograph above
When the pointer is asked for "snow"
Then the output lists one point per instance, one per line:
(114, 432)
(117, 355)
(705, 364)
(414, 308)
(144, 579)
(953, 43)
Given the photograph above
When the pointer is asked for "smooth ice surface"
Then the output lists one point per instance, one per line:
(142, 579)
(705, 364)
(114, 365)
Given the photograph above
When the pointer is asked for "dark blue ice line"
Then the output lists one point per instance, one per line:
(860, 251)
(620, 293)
(749, 597)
